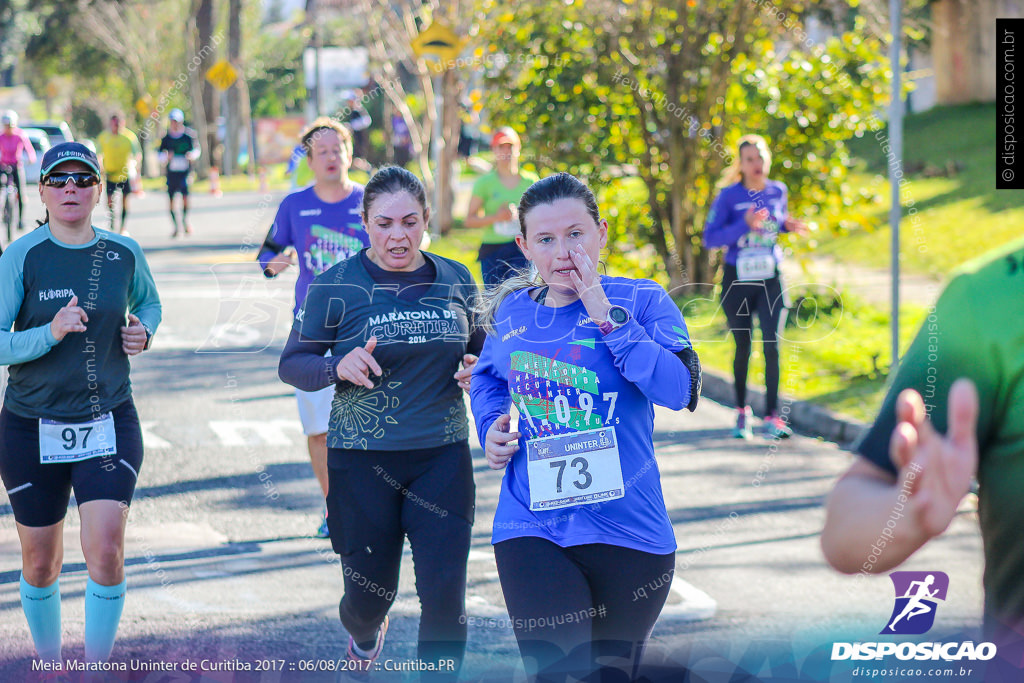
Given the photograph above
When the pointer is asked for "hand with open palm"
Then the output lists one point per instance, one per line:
(936, 470)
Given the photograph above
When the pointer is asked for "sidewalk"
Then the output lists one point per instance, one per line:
(871, 284)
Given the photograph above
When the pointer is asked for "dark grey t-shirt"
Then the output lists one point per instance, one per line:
(416, 403)
(86, 373)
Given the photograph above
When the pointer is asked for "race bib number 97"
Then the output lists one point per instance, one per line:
(62, 442)
(574, 469)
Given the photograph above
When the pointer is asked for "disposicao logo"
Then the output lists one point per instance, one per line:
(917, 598)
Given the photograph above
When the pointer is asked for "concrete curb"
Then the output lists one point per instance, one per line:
(803, 416)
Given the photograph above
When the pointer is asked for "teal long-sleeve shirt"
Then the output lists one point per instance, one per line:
(86, 373)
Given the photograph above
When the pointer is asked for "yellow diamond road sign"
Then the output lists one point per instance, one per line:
(440, 42)
(222, 75)
(144, 105)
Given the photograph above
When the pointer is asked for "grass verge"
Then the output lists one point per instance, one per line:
(835, 351)
(952, 211)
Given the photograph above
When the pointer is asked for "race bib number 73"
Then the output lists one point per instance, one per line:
(574, 469)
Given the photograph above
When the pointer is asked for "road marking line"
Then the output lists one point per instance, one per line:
(151, 440)
(270, 432)
(695, 604)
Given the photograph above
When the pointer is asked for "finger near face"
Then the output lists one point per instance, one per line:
(553, 231)
(583, 261)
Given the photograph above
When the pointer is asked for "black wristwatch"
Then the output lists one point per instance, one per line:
(617, 317)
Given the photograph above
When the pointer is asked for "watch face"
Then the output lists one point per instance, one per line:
(618, 315)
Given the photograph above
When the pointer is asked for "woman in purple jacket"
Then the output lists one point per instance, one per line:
(746, 218)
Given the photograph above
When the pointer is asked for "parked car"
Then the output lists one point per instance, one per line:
(58, 131)
(40, 143)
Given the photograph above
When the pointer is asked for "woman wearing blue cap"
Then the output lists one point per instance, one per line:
(68, 420)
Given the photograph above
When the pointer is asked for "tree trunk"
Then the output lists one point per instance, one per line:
(206, 53)
(451, 88)
(428, 142)
(196, 95)
(233, 115)
(387, 113)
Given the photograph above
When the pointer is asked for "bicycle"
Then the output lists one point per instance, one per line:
(9, 200)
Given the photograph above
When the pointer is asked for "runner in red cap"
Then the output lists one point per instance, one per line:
(493, 207)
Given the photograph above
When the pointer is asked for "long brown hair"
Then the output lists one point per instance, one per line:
(733, 174)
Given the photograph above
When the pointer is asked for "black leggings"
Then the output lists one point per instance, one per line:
(741, 301)
(577, 609)
(375, 499)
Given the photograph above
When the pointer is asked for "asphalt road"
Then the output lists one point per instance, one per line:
(221, 561)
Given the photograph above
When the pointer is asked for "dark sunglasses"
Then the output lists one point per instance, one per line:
(80, 178)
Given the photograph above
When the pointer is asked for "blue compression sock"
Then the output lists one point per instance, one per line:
(42, 610)
(103, 605)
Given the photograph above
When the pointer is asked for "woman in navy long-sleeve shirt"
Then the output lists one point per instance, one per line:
(746, 218)
(398, 322)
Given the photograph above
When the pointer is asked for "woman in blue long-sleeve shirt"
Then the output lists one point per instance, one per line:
(746, 218)
(583, 543)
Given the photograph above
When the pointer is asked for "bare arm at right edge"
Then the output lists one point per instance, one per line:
(873, 520)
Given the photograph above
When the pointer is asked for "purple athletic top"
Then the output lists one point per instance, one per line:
(727, 225)
(322, 233)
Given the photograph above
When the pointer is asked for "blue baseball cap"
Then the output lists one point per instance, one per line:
(68, 151)
(177, 115)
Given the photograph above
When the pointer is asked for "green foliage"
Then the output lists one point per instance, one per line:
(553, 79)
(952, 211)
(807, 103)
(662, 90)
(276, 84)
(49, 49)
(623, 202)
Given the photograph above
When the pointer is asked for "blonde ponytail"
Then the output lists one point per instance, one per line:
(489, 300)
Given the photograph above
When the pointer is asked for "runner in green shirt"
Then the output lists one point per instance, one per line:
(955, 409)
(493, 207)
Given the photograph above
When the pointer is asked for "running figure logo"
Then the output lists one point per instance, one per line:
(917, 595)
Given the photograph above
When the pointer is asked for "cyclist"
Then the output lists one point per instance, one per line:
(119, 148)
(13, 145)
(68, 420)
